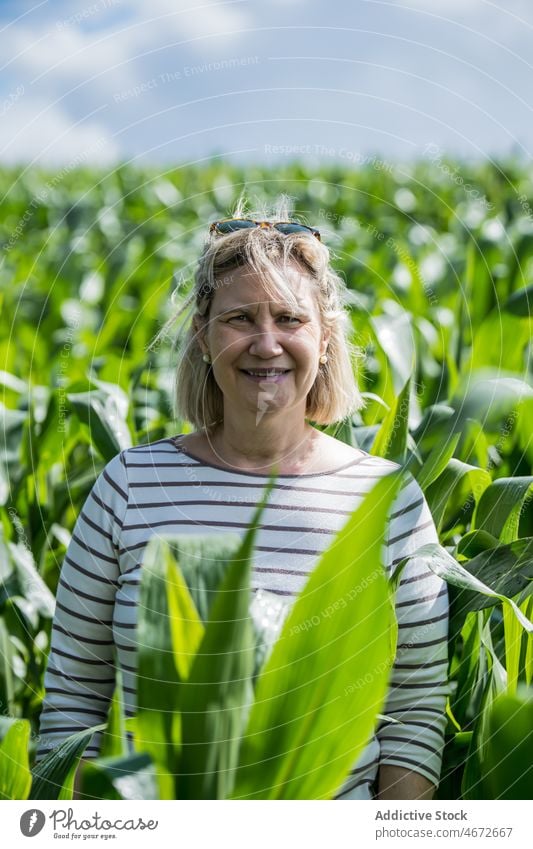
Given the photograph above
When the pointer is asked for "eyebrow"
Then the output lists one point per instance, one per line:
(280, 308)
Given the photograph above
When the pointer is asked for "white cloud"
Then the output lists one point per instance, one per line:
(66, 53)
(87, 51)
(38, 133)
(185, 19)
(513, 10)
(443, 6)
(68, 50)
(72, 57)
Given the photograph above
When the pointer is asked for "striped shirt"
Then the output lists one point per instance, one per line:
(161, 488)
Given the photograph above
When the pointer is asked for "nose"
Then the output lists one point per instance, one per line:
(264, 342)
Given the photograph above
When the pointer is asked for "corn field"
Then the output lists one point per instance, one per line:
(438, 260)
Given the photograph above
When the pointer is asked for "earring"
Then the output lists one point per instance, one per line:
(206, 358)
(323, 359)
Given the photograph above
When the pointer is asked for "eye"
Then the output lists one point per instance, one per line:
(237, 317)
(289, 319)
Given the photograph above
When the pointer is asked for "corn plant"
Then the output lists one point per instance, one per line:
(211, 722)
(439, 299)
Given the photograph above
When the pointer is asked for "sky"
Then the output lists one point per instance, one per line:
(176, 81)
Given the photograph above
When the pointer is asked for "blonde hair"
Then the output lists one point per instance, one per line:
(334, 395)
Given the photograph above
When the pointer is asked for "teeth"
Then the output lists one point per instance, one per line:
(271, 373)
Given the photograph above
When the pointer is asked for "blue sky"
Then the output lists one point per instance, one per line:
(170, 81)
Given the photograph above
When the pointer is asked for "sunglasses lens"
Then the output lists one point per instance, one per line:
(294, 228)
(235, 224)
(229, 225)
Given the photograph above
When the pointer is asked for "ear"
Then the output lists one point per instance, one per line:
(326, 336)
(200, 327)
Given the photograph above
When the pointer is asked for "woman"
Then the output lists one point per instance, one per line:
(266, 354)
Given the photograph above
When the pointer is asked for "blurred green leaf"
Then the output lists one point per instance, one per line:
(499, 508)
(391, 438)
(449, 492)
(7, 682)
(58, 767)
(494, 683)
(132, 776)
(220, 682)
(436, 462)
(508, 762)
(395, 335)
(30, 583)
(301, 700)
(106, 433)
(520, 302)
(472, 588)
(15, 775)
(114, 740)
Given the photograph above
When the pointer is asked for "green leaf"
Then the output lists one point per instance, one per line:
(343, 431)
(203, 562)
(435, 427)
(499, 508)
(170, 631)
(158, 718)
(395, 336)
(488, 396)
(114, 740)
(508, 761)
(50, 442)
(133, 776)
(466, 303)
(7, 678)
(32, 586)
(91, 410)
(15, 775)
(11, 429)
(311, 718)
(450, 491)
(524, 417)
(527, 609)
(501, 338)
(474, 543)
(391, 438)
(436, 462)
(58, 768)
(187, 630)
(447, 568)
(467, 669)
(506, 569)
(513, 634)
(495, 681)
(521, 302)
(215, 698)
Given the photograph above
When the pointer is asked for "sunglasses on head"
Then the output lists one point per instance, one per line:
(229, 225)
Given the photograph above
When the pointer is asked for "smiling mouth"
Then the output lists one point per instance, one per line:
(265, 374)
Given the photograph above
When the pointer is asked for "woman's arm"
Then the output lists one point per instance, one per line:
(411, 742)
(80, 672)
(396, 782)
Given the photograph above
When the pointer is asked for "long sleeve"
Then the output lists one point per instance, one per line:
(80, 673)
(419, 685)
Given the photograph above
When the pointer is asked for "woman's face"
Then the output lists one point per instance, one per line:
(264, 356)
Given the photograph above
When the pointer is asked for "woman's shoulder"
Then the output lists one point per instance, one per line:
(143, 458)
(328, 453)
(335, 451)
(158, 447)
